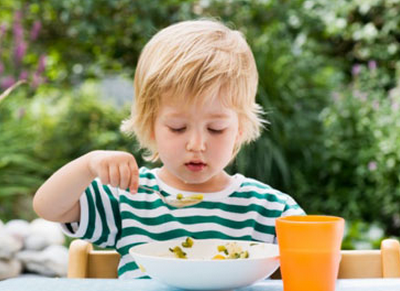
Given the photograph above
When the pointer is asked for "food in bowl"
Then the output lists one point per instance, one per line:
(200, 270)
(178, 252)
(231, 250)
(188, 243)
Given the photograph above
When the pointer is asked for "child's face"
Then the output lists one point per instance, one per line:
(195, 143)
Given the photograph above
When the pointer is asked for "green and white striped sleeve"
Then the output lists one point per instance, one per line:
(291, 207)
(100, 221)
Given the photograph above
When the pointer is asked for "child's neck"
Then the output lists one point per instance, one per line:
(216, 184)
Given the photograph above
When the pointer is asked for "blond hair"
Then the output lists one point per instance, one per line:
(190, 60)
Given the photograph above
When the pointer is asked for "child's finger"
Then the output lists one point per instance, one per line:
(124, 179)
(103, 175)
(114, 175)
(134, 177)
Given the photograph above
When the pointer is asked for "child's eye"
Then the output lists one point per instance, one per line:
(178, 130)
(216, 131)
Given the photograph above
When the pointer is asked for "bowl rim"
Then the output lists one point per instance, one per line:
(133, 253)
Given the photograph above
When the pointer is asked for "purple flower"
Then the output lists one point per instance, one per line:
(372, 166)
(23, 76)
(18, 16)
(3, 29)
(18, 29)
(41, 65)
(35, 30)
(19, 52)
(19, 44)
(356, 69)
(372, 65)
(7, 82)
(36, 80)
(360, 95)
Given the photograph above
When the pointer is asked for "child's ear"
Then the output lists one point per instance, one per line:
(239, 135)
(153, 135)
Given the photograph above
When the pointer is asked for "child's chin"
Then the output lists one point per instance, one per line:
(195, 180)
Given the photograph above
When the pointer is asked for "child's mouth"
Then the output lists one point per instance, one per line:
(195, 167)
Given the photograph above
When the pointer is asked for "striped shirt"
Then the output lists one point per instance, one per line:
(111, 217)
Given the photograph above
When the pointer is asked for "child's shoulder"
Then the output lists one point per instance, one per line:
(251, 182)
(252, 188)
(256, 185)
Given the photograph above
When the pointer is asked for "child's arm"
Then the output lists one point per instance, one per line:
(58, 198)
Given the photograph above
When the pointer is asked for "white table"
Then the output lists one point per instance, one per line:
(51, 284)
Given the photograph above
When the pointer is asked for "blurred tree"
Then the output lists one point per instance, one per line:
(360, 31)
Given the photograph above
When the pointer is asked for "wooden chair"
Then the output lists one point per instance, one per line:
(84, 262)
(383, 263)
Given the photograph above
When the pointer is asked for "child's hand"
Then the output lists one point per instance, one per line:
(117, 168)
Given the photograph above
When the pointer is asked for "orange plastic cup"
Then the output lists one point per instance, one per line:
(309, 251)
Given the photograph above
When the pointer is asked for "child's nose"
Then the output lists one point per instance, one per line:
(196, 142)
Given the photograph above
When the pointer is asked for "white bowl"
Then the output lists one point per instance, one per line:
(199, 271)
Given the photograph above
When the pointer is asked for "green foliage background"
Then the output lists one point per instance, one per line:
(328, 82)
